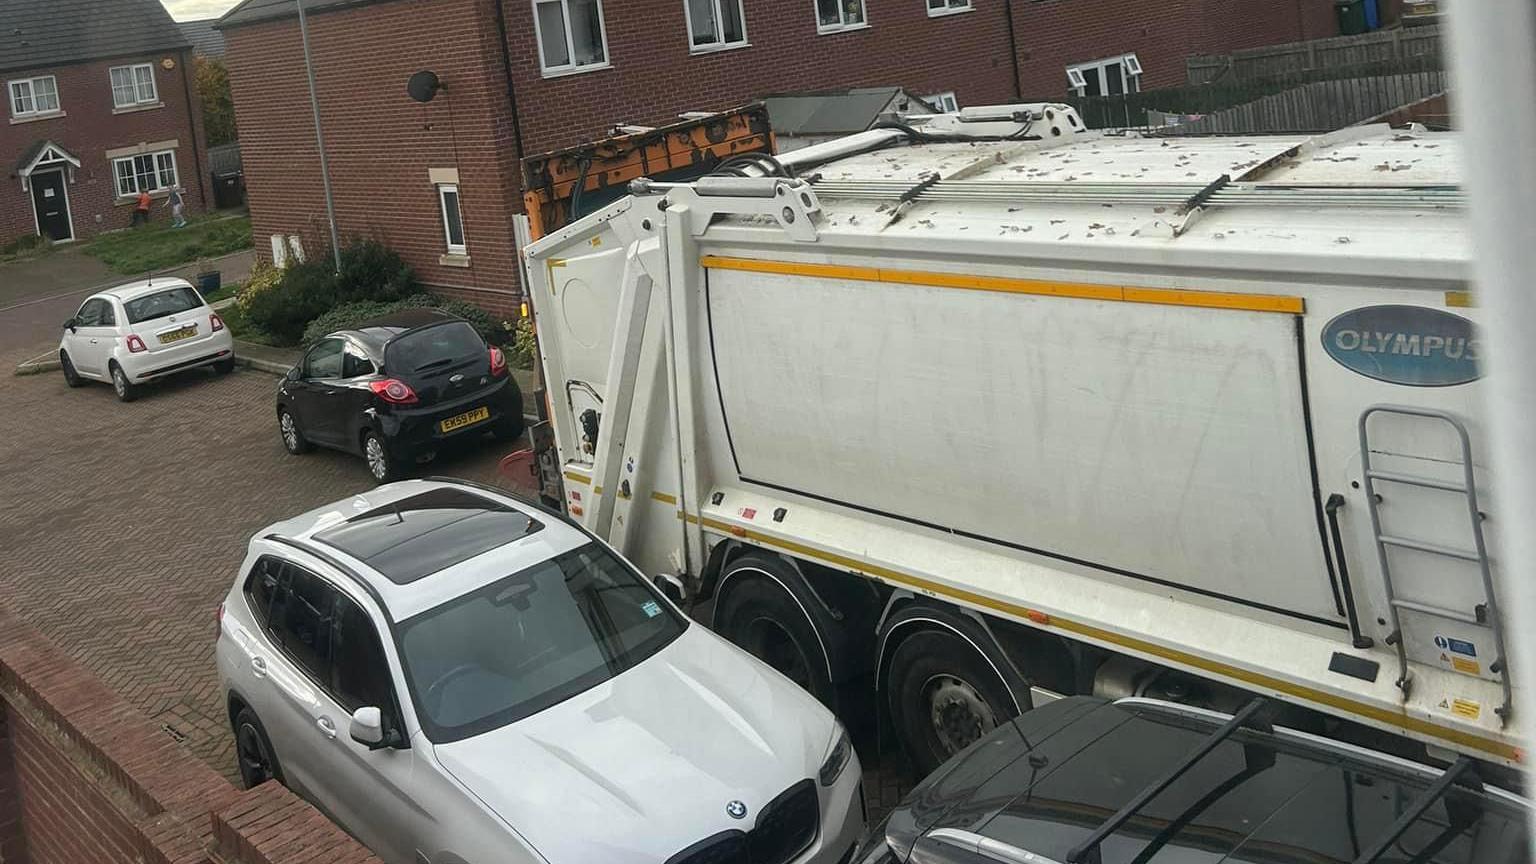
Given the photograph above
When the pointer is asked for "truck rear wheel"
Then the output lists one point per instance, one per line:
(942, 695)
(759, 614)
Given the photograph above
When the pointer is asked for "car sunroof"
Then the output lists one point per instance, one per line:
(417, 536)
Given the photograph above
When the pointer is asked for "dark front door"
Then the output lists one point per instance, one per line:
(51, 203)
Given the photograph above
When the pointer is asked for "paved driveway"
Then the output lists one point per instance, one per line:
(122, 525)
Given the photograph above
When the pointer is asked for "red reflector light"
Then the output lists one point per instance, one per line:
(1037, 616)
(216, 322)
(498, 362)
(135, 345)
(393, 390)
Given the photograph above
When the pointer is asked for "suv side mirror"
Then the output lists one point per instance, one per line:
(71, 324)
(294, 374)
(367, 727)
(673, 587)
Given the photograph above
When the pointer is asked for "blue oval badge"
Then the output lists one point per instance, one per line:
(1416, 346)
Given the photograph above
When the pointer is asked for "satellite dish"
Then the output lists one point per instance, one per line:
(423, 86)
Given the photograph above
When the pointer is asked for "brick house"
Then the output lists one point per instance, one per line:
(99, 104)
(439, 181)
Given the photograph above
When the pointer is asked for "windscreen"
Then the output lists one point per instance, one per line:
(529, 641)
(162, 303)
(431, 347)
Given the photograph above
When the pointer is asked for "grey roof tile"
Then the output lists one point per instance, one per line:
(205, 40)
(252, 11)
(36, 34)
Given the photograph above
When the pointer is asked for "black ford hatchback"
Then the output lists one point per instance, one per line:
(396, 389)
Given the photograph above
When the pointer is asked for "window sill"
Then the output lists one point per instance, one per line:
(157, 195)
(833, 31)
(134, 109)
(454, 259)
(944, 13)
(716, 49)
(35, 118)
(576, 70)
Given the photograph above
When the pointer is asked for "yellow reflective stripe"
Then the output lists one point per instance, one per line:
(664, 498)
(1075, 290)
(1402, 720)
(1462, 299)
(578, 478)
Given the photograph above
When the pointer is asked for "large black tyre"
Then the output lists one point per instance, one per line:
(293, 437)
(71, 377)
(224, 367)
(759, 614)
(942, 695)
(126, 391)
(253, 749)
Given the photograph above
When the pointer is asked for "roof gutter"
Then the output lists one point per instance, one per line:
(506, 65)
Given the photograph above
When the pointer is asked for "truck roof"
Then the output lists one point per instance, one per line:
(1371, 200)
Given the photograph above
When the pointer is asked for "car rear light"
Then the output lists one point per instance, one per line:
(218, 622)
(498, 362)
(394, 390)
(135, 345)
(215, 322)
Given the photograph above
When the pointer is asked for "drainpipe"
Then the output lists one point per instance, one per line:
(506, 67)
(1013, 53)
(193, 105)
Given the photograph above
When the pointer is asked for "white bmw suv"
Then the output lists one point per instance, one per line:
(458, 676)
(134, 333)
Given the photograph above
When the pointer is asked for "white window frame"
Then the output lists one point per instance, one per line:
(442, 206)
(1130, 74)
(842, 26)
(948, 7)
(572, 67)
(943, 102)
(159, 160)
(719, 44)
(137, 82)
(32, 87)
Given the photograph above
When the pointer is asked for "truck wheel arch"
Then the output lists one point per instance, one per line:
(908, 615)
(751, 564)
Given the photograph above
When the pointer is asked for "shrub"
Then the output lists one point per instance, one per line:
(372, 271)
(263, 277)
(525, 344)
(350, 315)
(304, 290)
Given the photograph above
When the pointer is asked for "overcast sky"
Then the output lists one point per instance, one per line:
(191, 10)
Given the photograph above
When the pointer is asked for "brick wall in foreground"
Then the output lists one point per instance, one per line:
(85, 779)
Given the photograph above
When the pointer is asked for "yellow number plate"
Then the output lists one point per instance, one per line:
(468, 418)
(177, 335)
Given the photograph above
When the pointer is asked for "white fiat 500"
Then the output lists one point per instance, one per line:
(457, 676)
(137, 332)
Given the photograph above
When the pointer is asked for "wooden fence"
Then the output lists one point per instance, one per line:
(1319, 106)
(1420, 44)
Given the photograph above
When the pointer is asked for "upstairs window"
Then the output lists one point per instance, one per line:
(715, 24)
(947, 7)
(1113, 76)
(571, 36)
(133, 86)
(31, 97)
(835, 15)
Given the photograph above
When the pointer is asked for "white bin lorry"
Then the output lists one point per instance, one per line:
(979, 409)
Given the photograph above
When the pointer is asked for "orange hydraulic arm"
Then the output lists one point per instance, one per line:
(598, 172)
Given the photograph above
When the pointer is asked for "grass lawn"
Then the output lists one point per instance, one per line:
(226, 289)
(158, 246)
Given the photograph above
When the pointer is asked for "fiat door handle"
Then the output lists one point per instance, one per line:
(259, 667)
(327, 728)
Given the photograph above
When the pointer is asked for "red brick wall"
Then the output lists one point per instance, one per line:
(381, 143)
(654, 77)
(89, 128)
(1053, 34)
(85, 779)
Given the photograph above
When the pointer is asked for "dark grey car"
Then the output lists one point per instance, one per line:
(1087, 781)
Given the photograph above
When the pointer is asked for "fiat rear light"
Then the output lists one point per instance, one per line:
(135, 344)
(215, 322)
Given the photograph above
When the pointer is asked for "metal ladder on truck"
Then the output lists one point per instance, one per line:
(1485, 614)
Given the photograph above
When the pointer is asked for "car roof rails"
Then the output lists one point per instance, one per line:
(1256, 715)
